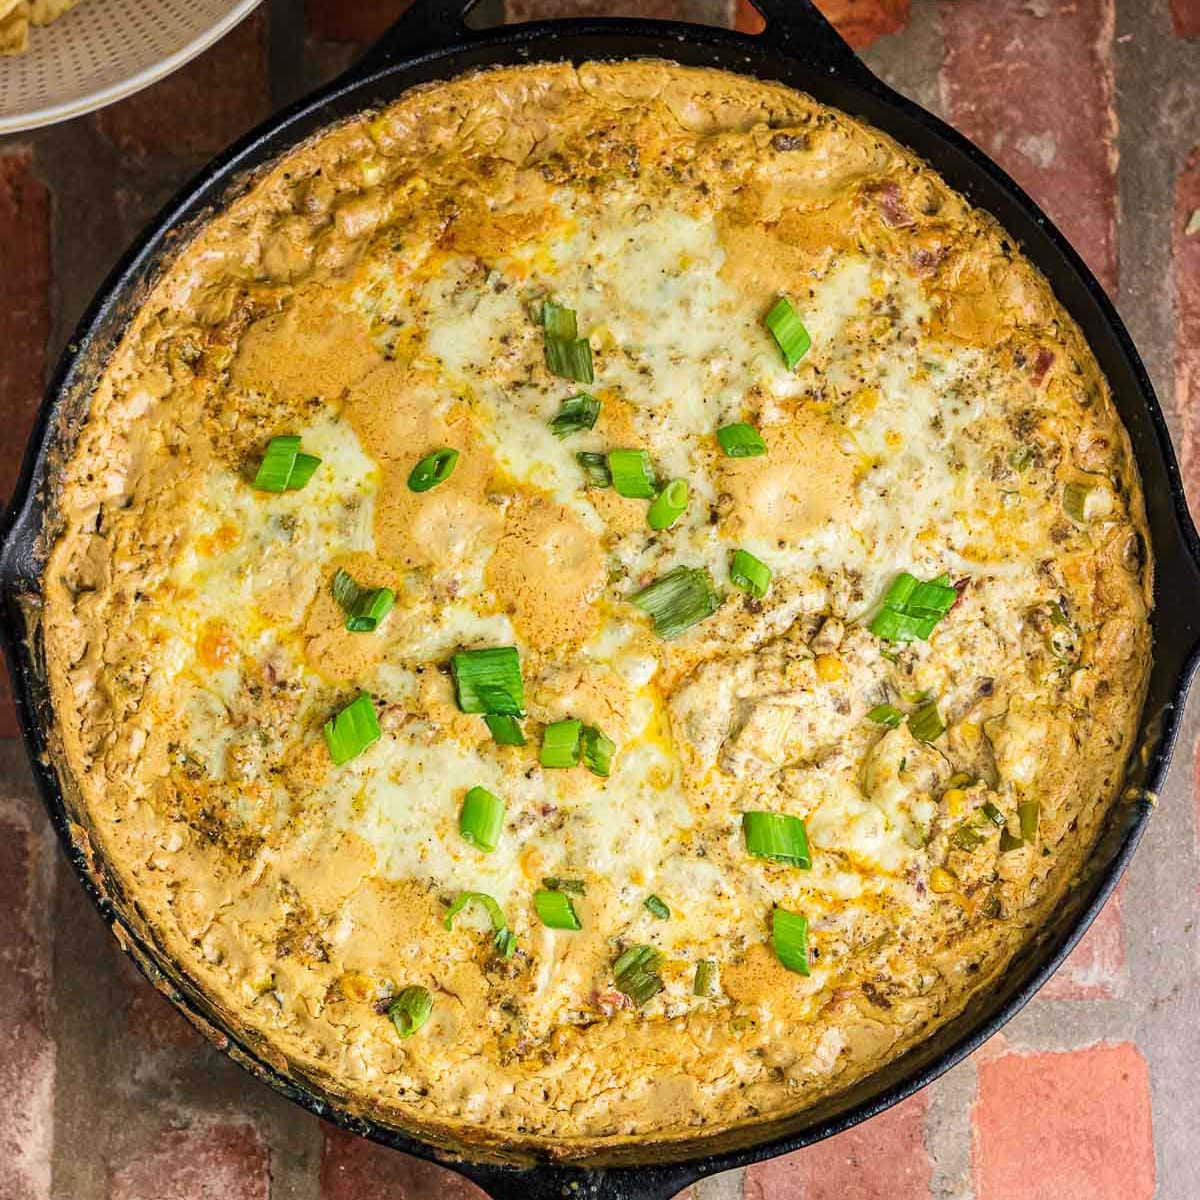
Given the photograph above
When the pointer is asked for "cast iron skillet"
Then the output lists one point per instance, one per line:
(798, 48)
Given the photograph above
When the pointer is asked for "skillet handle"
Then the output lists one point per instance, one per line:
(800, 30)
(426, 25)
(567, 1183)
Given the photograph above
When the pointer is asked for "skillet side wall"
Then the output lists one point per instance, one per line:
(1174, 541)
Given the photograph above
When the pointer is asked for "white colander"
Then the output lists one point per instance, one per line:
(104, 50)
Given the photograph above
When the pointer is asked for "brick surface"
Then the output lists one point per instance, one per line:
(883, 1159)
(1054, 1126)
(1096, 968)
(1186, 269)
(352, 1168)
(149, 1015)
(221, 1161)
(27, 1054)
(1185, 18)
(337, 21)
(202, 107)
(1032, 84)
(860, 22)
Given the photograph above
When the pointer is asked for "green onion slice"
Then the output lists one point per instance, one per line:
(561, 744)
(1028, 813)
(789, 937)
(481, 820)
(598, 751)
(681, 598)
(364, 607)
(577, 414)
(433, 469)
(886, 714)
(657, 907)
(1008, 842)
(636, 973)
(669, 505)
(706, 978)
(352, 730)
(575, 886)
(1083, 503)
(595, 468)
(911, 608)
(788, 331)
(303, 470)
(555, 910)
(741, 441)
(778, 837)
(410, 1010)
(489, 681)
(967, 836)
(503, 939)
(567, 354)
(925, 724)
(283, 467)
(632, 474)
(993, 814)
(506, 730)
(750, 574)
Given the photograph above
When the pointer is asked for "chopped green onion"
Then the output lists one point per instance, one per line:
(1008, 842)
(410, 1010)
(788, 330)
(994, 815)
(967, 835)
(657, 907)
(678, 600)
(911, 608)
(577, 414)
(741, 441)
(886, 714)
(595, 467)
(567, 354)
(352, 730)
(1084, 502)
(778, 837)
(632, 474)
(925, 724)
(750, 574)
(482, 819)
(1028, 813)
(636, 973)
(669, 505)
(489, 681)
(1020, 458)
(506, 730)
(505, 942)
(433, 469)
(494, 911)
(597, 751)
(576, 886)
(706, 978)
(555, 910)
(560, 744)
(789, 936)
(283, 467)
(364, 607)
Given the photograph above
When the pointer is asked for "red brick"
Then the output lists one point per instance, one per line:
(1185, 18)
(221, 1161)
(27, 1054)
(337, 21)
(1071, 1125)
(882, 1159)
(1032, 84)
(352, 1168)
(149, 1015)
(1185, 259)
(24, 328)
(199, 109)
(860, 22)
(1096, 967)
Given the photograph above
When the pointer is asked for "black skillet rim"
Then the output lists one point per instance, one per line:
(434, 30)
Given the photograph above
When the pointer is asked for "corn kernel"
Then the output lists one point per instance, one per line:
(355, 985)
(954, 798)
(830, 668)
(970, 732)
(941, 881)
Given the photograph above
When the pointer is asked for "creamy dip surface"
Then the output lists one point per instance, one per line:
(381, 295)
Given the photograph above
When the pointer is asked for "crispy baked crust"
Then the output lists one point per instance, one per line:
(285, 911)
